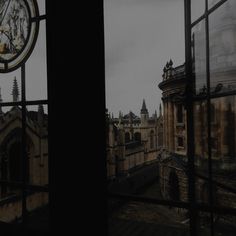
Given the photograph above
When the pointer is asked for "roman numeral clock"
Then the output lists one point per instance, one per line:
(19, 27)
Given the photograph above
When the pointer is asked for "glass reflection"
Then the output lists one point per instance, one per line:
(199, 57)
(222, 36)
(197, 9)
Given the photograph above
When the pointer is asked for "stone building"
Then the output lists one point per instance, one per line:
(173, 160)
(11, 158)
(133, 141)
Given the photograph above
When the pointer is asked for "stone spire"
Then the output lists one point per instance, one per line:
(120, 120)
(15, 91)
(130, 117)
(144, 108)
(144, 114)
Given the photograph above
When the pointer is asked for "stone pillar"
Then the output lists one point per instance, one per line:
(171, 127)
(165, 125)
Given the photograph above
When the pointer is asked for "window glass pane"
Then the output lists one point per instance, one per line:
(197, 9)
(36, 68)
(148, 219)
(41, 4)
(10, 164)
(222, 35)
(200, 135)
(199, 57)
(37, 131)
(8, 83)
(223, 135)
(11, 146)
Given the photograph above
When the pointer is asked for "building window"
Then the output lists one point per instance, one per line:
(210, 78)
(180, 141)
(24, 157)
(179, 113)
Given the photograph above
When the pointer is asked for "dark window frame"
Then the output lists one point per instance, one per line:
(26, 187)
(192, 205)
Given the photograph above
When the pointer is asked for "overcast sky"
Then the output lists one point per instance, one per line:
(36, 77)
(140, 37)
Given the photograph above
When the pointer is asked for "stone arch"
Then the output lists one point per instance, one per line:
(151, 139)
(174, 191)
(11, 157)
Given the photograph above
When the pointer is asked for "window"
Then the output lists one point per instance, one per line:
(180, 141)
(206, 172)
(24, 157)
(179, 113)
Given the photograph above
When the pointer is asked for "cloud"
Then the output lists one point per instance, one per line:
(139, 39)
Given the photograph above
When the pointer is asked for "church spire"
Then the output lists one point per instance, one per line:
(15, 91)
(144, 108)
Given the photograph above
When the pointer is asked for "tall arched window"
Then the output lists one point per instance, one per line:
(152, 139)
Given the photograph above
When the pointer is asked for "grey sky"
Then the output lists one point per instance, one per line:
(36, 77)
(140, 37)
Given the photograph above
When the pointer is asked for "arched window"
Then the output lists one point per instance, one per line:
(127, 137)
(137, 137)
(179, 113)
(152, 139)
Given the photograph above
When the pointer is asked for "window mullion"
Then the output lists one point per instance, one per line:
(190, 127)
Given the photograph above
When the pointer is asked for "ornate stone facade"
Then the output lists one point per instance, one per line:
(133, 142)
(11, 158)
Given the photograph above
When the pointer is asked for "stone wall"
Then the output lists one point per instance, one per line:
(10, 210)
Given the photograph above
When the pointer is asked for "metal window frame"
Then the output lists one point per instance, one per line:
(24, 185)
(192, 205)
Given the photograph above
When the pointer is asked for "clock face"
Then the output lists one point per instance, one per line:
(18, 32)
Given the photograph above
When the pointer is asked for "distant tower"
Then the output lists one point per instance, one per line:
(131, 125)
(144, 113)
(120, 120)
(15, 91)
